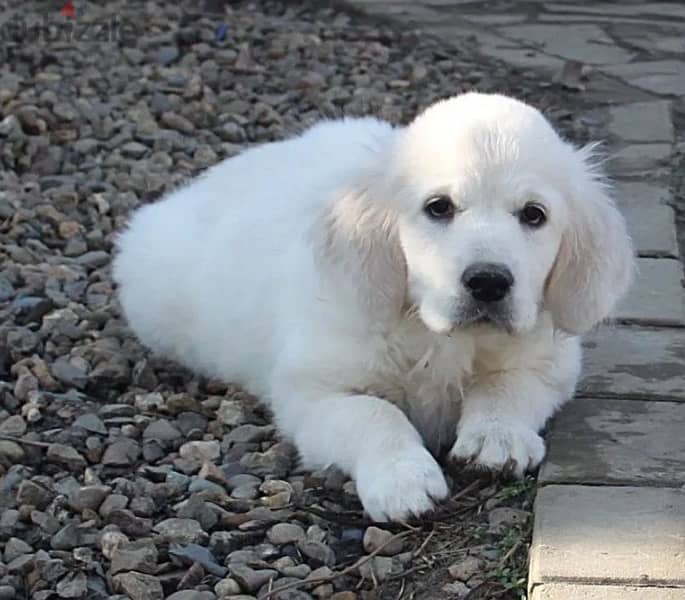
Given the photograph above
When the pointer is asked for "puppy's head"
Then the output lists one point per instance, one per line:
(497, 219)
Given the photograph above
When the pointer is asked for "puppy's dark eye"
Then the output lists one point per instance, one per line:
(532, 215)
(439, 208)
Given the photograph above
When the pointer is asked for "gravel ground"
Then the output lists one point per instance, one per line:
(122, 473)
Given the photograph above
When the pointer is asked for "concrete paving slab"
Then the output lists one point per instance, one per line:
(652, 37)
(600, 86)
(572, 591)
(634, 362)
(657, 9)
(364, 3)
(652, 229)
(489, 19)
(651, 222)
(585, 43)
(612, 441)
(639, 192)
(609, 535)
(665, 77)
(657, 296)
(642, 122)
(500, 48)
(407, 11)
(638, 159)
(665, 10)
(597, 19)
(513, 54)
(447, 3)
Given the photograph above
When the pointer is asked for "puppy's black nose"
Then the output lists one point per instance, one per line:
(487, 282)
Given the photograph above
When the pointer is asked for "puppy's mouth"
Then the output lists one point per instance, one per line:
(466, 315)
(491, 315)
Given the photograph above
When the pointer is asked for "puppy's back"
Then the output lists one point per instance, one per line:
(199, 270)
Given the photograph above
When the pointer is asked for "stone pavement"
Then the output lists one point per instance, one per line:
(610, 511)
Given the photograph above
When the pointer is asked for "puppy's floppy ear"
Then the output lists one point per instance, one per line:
(360, 245)
(595, 263)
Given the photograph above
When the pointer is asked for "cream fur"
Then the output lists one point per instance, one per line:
(307, 271)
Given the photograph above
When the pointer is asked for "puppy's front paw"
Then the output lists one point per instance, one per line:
(496, 445)
(398, 486)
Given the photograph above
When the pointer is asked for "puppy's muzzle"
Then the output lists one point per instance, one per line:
(487, 282)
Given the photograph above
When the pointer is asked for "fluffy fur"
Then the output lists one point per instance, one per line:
(308, 271)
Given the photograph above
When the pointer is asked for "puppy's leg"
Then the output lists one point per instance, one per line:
(374, 442)
(503, 413)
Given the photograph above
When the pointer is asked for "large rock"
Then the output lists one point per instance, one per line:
(66, 456)
(138, 586)
(376, 538)
(201, 451)
(89, 497)
(194, 553)
(140, 555)
(251, 579)
(124, 452)
(191, 595)
(162, 430)
(34, 494)
(181, 531)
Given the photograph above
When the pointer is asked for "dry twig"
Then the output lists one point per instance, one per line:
(18, 440)
(346, 571)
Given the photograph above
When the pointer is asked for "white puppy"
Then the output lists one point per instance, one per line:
(387, 289)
